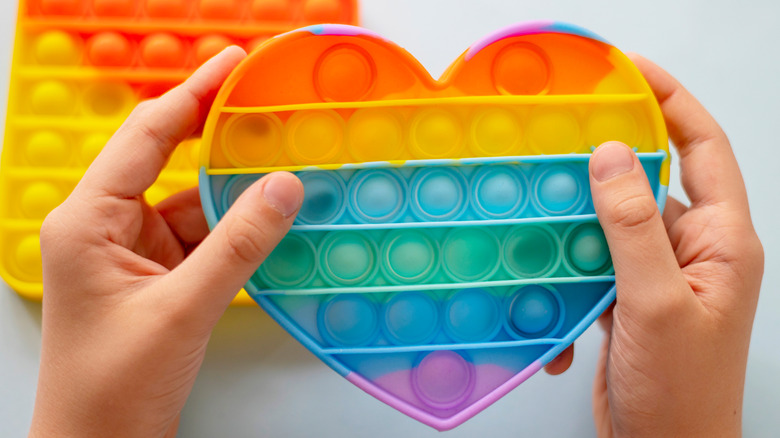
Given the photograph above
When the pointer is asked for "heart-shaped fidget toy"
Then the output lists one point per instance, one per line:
(447, 246)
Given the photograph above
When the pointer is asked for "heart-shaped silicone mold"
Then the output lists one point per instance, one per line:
(447, 247)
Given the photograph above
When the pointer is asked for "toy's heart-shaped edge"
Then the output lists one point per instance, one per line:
(457, 417)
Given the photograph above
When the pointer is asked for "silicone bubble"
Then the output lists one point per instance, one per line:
(377, 196)
(219, 9)
(208, 46)
(57, 48)
(167, 8)
(271, 10)
(499, 192)
(534, 312)
(532, 251)
(292, 264)
(252, 139)
(472, 315)
(612, 123)
(322, 11)
(495, 132)
(438, 194)
(586, 251)
(235, 187)
(109, 99)
(27, 258)
(163, 50)
(443, 379)
(347, 258)
(521, 68)
(348, 320)
(554, 131)
(471, 254)
(52, 98)
(62, 7)
(110, 49)
(324, 196)
(39, 198)
(410, 318)
(314, 136)
(344, 73)
(435, 133)
(47, 148)
(559, 189)
(375, 134)
(114, 8)
(409, 256)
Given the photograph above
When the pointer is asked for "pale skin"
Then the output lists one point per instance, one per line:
(132, 291)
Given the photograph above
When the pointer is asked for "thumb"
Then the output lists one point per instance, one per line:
(647, 274)
(217, 269)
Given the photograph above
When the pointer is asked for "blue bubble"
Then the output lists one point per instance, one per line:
(438, 194)
(348, 320)
(499, 192)
(559, 190)
(472, 315)
(411, 318)
(377, 196)
(323, 198)
(534, 312)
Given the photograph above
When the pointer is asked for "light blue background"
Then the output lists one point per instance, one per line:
(256, 380)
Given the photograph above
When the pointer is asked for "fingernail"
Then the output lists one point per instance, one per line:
(284, 193)
(610, 160)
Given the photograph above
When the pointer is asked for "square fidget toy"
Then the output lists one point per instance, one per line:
(79, 68)
(447, 246)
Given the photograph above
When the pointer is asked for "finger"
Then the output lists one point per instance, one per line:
(709, 170)
(646, 271)
(244, 237)
(561, 362)
(605, 319)
(138, 151)
(184, 216)
(672, 211)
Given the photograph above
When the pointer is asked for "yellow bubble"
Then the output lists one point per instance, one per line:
(91, 147)
(38, 199)
(52, 98)
(436, 133)
(611, 123)
(554, 131)
(109, 99)
(57, 48)
(315, 137)
(28, 257)
(250, 140)
(375, 135)
(46, 148)
(496, 132)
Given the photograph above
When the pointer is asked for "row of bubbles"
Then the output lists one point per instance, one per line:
(100, 99)
(110, 49)
(236, 11)
(435, 194)
(434, 256)
(325, 136)
(61, 148)
(418, 318)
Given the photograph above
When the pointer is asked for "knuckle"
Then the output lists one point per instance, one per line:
(633, 211)
(246, 241)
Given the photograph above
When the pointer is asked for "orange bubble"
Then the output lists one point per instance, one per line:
(62, 7)
(271, 10)
(322, 11)
(114, 8)
(109, 49)
(521, 69)
(163, 50)
(209, 46)
(219, 9)
(344, 73)
(166, 8)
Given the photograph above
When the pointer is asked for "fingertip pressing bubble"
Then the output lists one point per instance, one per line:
(292, 264)
(499, 192)
(409, 256)
(377, 196)
(348, 320)
(56, 47)
(559, 189)
(344, 73)
(586, 250)
(410, 318)
(471, 254)
(534, 312)
(347, 258)
(438, 194)
(110, 49)
(532, 251)
(472, 315)
(252, 140)
(443, 379)
(324, 198)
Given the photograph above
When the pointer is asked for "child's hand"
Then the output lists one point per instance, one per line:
(673, 361)
(129, 301)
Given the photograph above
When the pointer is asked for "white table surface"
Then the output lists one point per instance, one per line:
(258, 381)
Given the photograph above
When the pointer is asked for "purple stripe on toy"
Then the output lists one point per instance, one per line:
(530, 28)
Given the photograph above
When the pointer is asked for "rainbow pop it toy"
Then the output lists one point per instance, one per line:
(80, 66)
(447, 247)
